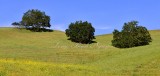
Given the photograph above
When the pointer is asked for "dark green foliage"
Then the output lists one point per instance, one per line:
(34, 20)
(17, 25)
(80, 32)
(131, 35)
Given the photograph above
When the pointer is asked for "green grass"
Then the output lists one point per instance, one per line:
(25, 53)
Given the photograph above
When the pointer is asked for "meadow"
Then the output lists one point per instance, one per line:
(26, 53)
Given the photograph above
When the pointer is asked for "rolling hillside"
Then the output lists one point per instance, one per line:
(25, 53)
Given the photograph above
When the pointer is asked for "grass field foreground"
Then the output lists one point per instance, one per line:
(25, 53)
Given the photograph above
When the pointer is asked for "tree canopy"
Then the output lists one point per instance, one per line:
(131, 35)
(35, 20)
(80, 32)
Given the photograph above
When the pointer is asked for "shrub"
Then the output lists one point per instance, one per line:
(80, 32)
(131, 35)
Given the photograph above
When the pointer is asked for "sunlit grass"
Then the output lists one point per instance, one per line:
(11, 67)
(25, 53)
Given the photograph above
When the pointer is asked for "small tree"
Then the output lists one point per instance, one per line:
(17, 25)
(81, 32)
(35, 20)
(131, 35)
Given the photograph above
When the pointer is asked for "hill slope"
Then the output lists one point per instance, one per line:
(50, 53)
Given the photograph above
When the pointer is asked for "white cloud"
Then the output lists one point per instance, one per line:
(6, 26)
(103, 28)
(60, 27)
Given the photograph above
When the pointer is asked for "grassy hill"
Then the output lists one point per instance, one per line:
(25, 53)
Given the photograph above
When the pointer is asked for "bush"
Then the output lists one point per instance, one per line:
(131, 35)
(80, 32)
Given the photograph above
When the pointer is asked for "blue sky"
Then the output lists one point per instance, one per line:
(105, 15)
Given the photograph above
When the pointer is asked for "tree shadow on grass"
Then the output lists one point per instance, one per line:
(90, 42)
(47, 30)
(40, 30)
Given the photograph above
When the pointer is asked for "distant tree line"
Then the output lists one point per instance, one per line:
(132, 34)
